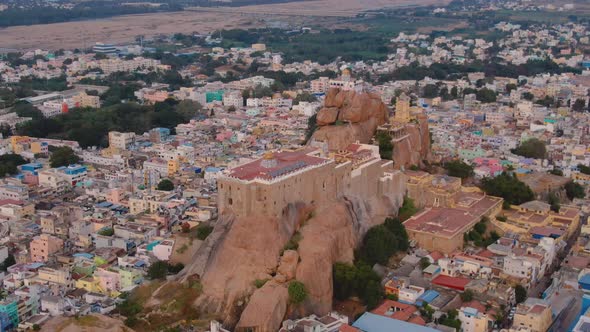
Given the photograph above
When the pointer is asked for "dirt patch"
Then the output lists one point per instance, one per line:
(122, 29)
(90, 323)
(185, 247)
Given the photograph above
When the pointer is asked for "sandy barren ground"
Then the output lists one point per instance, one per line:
(124, 28)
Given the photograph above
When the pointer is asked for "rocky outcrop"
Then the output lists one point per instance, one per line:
(266, 308)
(288, 265)
(348, 116)
(414, 149)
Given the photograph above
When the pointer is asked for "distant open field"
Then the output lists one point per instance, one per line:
(124, 28)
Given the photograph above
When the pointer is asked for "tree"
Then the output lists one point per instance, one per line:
(26, 110)
(297, 292)
(510, 87)
(36, 327)
(304, 96)
(584, 169)
(407, 210)
(458, 168)
(345, 280)
(450, 319)
(63, 156)
(311, 127)
(531, 148)
(165, 185)
(486, 95)
(203, 231)
(574, 190)
(385, 145)
(188, 109)
(520, 293)
(231, 109)
(9, 163)
(5, 130)
(397, 228)
(579, 105)
(158, 270)
(108, 231)
(424, 263)
(372, 294)
(508, 187)
(8, 262)
(553, 202)
(430, 91)
(378, 245)
(528, 96)
(556, 171)
(480, 227)
(467, 296)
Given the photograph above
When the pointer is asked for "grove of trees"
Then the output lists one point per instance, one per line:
(508, 187)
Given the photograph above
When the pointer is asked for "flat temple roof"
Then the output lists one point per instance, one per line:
(276, 165)
(445, 222)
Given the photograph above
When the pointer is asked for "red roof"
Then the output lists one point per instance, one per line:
(347, 328)
(395, 310)
(282, 163)
(436, 255)
(11, 201)
(446, 222)
(457, 283)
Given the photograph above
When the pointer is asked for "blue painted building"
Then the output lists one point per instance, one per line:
(369, 322)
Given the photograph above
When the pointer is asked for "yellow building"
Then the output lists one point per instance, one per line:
(85, 100)
(535, 219)
(89, 284)
(16, 142)
(534, 314)
(173, 167)
(55, 276)
(402, 108)
(39, 147)
(426, 189)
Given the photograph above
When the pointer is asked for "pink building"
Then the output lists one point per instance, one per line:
(43, 246)
(108, 279)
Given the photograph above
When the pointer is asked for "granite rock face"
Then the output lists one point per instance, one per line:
(414, 149)
(348, 116)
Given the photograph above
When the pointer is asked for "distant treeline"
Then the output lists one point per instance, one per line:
(83, 11)
(39, 14)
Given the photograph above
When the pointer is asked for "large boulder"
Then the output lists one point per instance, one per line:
(359, 115)
(288, 264)
(328, 116)
(266, 309)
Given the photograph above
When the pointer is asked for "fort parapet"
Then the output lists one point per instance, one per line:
(311, 176)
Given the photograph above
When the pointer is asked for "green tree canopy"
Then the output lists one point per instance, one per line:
(531, 148)
(297, 292)
(574, 190)
(508, 187)
(9, 163)
(520, 293)
(486, 95)
(63, 156)
(165, 185)
(385, 145)
(458, 168)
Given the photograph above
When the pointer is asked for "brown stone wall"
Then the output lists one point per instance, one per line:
(314, 186)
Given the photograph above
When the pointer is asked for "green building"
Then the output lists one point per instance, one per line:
(10, 306)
